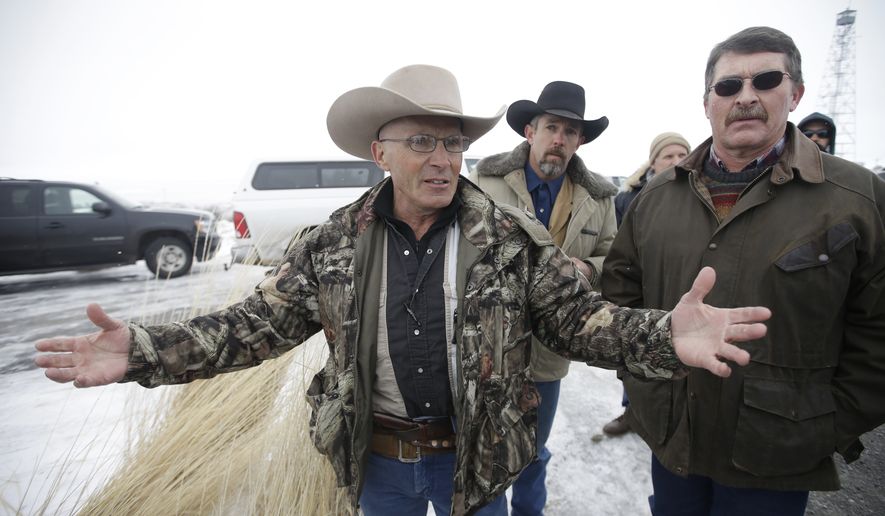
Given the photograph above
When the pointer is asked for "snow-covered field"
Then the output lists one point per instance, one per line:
(48, 428)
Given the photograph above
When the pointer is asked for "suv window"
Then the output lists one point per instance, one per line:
(286, 176)
(64, 200)
(16, 201)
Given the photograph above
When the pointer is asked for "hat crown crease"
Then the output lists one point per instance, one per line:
(426, 86)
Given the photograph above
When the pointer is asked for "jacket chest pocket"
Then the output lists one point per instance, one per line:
(784, 428)
(807, 289)
(819, 251)
(586, 242)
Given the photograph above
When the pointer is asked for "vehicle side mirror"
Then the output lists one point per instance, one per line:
(102, 208)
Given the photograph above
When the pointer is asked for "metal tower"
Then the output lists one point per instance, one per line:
(837, 93)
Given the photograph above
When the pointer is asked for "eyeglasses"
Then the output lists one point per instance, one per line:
(427, 143)
(761, 82)
(820, 133)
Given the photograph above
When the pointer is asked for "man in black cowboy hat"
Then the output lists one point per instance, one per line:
(427, 293)
(545, 177)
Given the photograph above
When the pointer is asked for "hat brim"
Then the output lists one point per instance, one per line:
(522, 112)
(356, 117)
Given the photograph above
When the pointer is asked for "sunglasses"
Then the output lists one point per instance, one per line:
(820, 133)
(761, 82)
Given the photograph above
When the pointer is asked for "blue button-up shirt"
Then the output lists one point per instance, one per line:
(543, 193)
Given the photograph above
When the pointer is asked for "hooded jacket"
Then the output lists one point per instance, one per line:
(589, 232)
(804, 239)
(827, 121)
(512, 283)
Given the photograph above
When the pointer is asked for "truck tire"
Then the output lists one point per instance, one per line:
(168, 257)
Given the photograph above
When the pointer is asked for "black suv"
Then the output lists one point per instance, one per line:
(49, 226)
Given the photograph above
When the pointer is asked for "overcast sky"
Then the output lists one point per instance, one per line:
(175, 100)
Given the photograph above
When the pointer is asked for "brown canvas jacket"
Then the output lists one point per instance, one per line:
(512, 282)
(805, 239)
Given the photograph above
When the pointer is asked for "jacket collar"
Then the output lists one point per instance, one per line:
(637, 179)
(499, 165)
(801, 157)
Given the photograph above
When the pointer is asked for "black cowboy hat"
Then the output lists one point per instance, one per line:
(558, 98)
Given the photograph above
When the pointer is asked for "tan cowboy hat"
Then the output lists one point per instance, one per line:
(416, 90)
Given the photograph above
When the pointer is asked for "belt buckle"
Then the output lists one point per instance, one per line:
(405, 460)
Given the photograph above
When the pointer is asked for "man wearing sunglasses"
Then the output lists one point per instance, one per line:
(821, 130)
(785, 226)
(544, 176)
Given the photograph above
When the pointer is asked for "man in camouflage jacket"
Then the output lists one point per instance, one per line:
(511, 283)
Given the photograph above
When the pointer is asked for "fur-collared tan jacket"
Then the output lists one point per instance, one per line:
(589, 231)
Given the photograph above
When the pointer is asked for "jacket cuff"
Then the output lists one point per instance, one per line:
(669, 360)
(594, 275)
(658, 359)
(143, 358)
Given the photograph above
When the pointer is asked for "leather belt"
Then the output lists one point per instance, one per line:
(389, 446)
(410, 431)
(407, 440)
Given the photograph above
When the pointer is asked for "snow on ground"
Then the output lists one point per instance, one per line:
(47, 427)
(592, 473)
(55, 425)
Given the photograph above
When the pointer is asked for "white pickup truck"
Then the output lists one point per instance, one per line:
(279, 199)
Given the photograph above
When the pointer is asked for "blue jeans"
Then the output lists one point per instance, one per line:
(529, 491)
(394, 487)
(701, 496)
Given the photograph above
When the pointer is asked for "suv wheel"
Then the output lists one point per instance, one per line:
(168, 257)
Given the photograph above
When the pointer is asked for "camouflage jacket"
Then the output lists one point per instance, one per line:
(512, 282)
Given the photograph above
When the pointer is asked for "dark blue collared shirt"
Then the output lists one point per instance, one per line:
(543, 193)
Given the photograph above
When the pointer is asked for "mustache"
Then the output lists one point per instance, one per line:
(756, 112)
(556, 152)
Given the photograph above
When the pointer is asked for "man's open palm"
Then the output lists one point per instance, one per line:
(99, 358)
(702, 334)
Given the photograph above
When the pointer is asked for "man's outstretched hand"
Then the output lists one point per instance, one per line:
(99, 358)
(702, 334)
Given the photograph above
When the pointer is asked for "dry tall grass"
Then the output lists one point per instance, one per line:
(235, 444)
